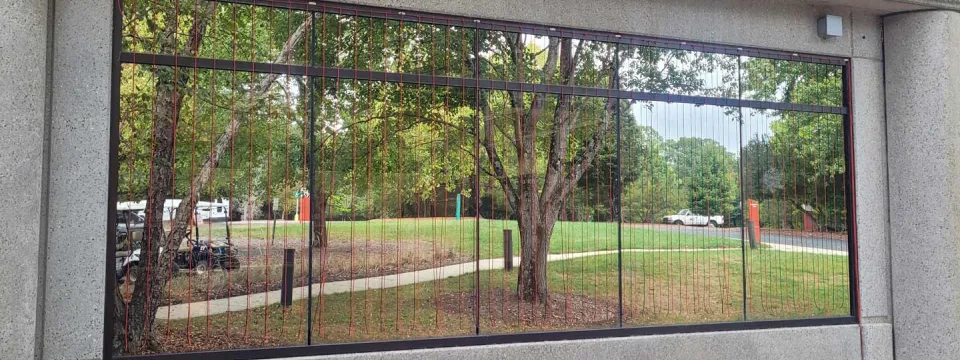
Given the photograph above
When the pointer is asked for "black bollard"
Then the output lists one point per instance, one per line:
(751, 234)
(286, 291)
(508, 249)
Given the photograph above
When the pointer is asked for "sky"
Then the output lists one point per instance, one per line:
(674, 120)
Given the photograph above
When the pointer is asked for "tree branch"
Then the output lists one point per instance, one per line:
(490, 146)
(584, 160)
(201, 179)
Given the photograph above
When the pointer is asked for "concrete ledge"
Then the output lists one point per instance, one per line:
(878, 341)
(826, 342)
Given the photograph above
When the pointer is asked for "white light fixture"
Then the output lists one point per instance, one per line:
(830, 26)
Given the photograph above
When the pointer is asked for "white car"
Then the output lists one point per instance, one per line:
(687, 217)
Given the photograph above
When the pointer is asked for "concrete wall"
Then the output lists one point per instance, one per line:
(62, 254)
(779, 25)
(830, 342)
(54, 122)
(79, 144)
(923, 113)
(23, 127)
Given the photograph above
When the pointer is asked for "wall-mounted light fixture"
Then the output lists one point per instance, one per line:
(830, 26)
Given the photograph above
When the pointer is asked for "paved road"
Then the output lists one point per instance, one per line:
(766, 236)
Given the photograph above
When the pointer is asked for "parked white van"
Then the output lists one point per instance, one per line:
(205, 211)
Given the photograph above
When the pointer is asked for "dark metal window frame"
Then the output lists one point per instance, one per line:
(314, 7)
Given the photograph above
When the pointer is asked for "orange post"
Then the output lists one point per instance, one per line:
(304, 209)
(754, 214)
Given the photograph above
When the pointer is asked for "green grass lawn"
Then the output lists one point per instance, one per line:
(459, 235)
(659, 289)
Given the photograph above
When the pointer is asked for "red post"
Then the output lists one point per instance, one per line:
(304, 209)
(809, 222)
(754, 214)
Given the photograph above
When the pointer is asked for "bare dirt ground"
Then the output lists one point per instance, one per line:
(340, 261)
(503, 309)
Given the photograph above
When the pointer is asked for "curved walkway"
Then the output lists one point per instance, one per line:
(244, 302)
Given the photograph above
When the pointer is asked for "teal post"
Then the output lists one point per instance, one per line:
(458, 206)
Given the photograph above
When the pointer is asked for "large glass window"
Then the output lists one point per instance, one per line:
(294, 174)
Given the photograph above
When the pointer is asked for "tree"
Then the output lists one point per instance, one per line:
(390, 144)
(707, 172)
(135, 318)
(654, 193)
(574, 129)
(402, 125)
(807, 163)
(763, 179)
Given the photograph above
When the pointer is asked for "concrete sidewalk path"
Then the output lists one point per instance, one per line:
(244, 302)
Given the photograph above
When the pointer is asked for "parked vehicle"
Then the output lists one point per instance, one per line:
(212, 211)
(129, 228)
(688, 217)
(198, 256)
(201, 256)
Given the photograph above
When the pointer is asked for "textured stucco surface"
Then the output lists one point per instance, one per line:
(922, 88)
(878, 341)
(940, 4)
(866, 29)
(833, 342)
(79, 146)
(23, 54)
(781, 25)
(870, 139)
(78, 169)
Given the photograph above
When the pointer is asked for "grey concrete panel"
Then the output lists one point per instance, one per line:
(870, 139)
(866, 31)
(783, 25)
(23, 57)
(878, 341)
(834, 342)
(79, 147)
(940, 4)
(922, 88)
(80, 120)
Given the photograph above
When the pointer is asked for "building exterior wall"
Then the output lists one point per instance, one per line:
(922, 87)
(23, 128)
(79, 148)
(829, 342)
(52, 264)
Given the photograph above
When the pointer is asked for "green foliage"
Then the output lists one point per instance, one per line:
(802, 161)
(707, 172)
(380, 146)
(655, 192)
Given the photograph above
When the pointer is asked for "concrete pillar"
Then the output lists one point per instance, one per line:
(54, 128)
(23, 129)
(923, 133)
(78, 161)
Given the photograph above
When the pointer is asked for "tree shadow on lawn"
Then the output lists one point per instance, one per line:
(658, 290)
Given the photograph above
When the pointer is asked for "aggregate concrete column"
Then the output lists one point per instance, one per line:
(78, 163)
(23, 127)
(923, 134)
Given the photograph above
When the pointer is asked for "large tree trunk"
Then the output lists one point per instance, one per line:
(785, 216)
(538, 209)
(532, 286)
(134, 319)
(537, 228)
(318, 204)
